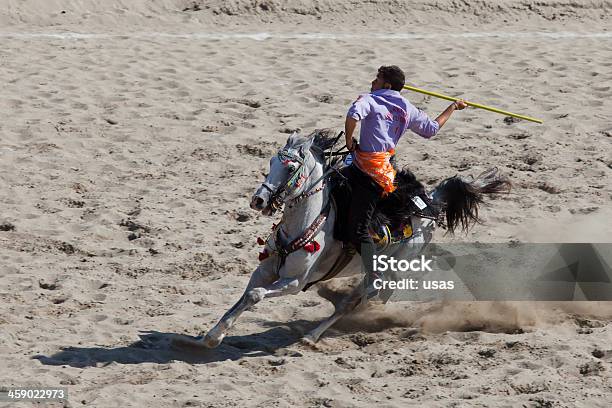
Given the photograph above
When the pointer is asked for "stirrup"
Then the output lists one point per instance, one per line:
(381, 238)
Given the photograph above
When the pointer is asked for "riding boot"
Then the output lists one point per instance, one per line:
(365, 195)
(372, 276)
(349, 249)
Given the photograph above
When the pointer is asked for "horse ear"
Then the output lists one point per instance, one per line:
(291, 139)
(304, 147)
(307, 144)
(299, 142)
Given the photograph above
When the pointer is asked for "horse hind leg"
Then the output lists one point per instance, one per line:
(344, 306)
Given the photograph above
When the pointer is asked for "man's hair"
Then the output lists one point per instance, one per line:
(393, 75)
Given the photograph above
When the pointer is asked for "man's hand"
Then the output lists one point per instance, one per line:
(460, 104)
(353, 145)
(444, 116)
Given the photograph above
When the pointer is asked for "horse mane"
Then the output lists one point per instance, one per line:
(324, 140)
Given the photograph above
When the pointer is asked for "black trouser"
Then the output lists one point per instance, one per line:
(365, 195)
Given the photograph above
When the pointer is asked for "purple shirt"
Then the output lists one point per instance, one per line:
(385, 115)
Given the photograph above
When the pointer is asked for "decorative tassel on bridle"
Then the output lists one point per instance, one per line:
(312, 246)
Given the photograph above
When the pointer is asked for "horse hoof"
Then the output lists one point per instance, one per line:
(310, 342)
(211, 341)
(180, 342)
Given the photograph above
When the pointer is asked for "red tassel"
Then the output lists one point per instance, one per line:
(263, 255)
(260, 241)
(312, 246)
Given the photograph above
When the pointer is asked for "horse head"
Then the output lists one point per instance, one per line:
(288, 177)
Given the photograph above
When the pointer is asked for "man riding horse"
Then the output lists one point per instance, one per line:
(303, 248)
(384, 115)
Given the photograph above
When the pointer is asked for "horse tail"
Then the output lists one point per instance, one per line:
(460, 197)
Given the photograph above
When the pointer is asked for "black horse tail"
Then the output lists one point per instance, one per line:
(460, 197)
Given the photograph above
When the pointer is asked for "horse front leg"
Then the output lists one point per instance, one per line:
(264, 275)
(265, 282)
(281, 287)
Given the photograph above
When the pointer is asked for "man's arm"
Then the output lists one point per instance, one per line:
(349, 128)
(444, 116)
(422, 125)
(358, 111)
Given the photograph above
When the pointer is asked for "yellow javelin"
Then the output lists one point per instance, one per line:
(476, 105)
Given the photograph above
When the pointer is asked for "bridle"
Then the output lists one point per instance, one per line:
(275, 241)
(278, 196)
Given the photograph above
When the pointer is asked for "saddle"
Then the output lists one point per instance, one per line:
(391, 222)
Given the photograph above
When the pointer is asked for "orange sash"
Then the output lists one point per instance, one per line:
(377, 166)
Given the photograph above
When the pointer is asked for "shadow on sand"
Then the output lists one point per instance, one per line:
(161, 348)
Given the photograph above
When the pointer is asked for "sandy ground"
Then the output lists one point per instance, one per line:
(127, 159)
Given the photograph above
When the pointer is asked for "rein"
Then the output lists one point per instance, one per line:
(327, 172)
(307, 194)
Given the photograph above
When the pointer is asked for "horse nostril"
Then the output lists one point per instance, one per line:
(257, 203)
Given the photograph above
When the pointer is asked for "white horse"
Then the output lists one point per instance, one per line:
(302, 250)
